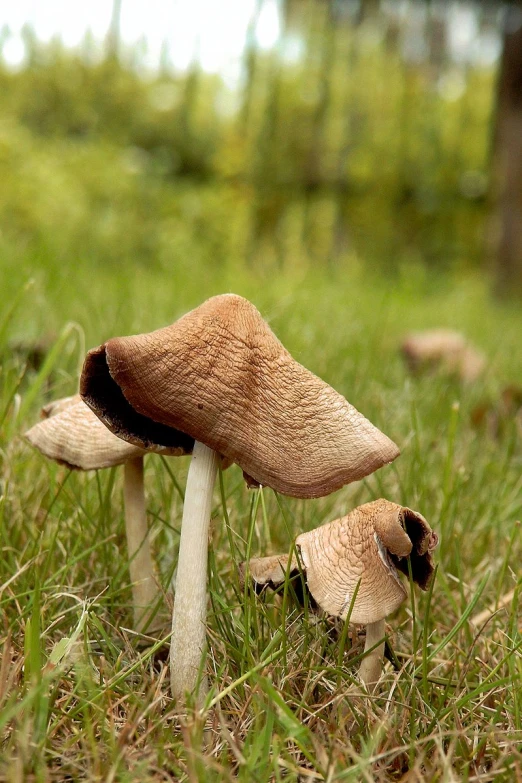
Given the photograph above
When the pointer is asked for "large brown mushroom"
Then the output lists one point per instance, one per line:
(218, 382)
(358, 555)
(72, 435)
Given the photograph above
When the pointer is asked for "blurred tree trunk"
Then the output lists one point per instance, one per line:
(112, 44)
(507, 159)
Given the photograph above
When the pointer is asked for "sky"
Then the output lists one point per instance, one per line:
(214, 32)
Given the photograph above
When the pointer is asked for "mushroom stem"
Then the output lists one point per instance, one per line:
(371, 665)
(144, 587)
(190, 600)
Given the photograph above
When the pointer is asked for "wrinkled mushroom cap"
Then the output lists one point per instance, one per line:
(361, 551)
(57, 406)
(72, 435)
(220, 376)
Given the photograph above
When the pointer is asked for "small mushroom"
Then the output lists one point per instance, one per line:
(497, 416)
(72, 435)
(445, 350)
(218, 382)
(32, 352)
(361, 552)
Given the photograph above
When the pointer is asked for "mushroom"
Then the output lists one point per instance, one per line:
(218, 382)
(361, 552)
(443, 349)
(72, 435)
(497, 416)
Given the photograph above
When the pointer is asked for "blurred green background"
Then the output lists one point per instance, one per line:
(361, 138)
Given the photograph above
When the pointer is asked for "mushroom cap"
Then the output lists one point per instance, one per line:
(72, 435)
(444, 348)
(362, 551)
(366, 548)
(57, 406)
(220, 376)
(269, 570)
(433, 344)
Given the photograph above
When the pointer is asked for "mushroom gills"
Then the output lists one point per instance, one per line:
(105, 397)
(424, 540)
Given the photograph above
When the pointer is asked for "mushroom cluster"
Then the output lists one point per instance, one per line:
(218, 384)
(351, 567)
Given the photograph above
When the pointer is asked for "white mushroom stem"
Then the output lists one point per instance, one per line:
(371, 665)
(144, 586)
(190, 600)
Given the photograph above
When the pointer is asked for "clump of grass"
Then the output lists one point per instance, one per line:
(80, 700)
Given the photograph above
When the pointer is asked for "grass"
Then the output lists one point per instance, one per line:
(80, 700)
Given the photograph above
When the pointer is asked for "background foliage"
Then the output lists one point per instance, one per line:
(351, 147)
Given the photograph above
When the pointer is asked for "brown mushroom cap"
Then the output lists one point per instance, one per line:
(432, 345)
(443, 348)
(72, 435)
(220, 376)
(364, 549)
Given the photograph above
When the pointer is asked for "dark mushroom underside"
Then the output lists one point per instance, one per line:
(299, 588)
(102, 394)
(420, 557)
